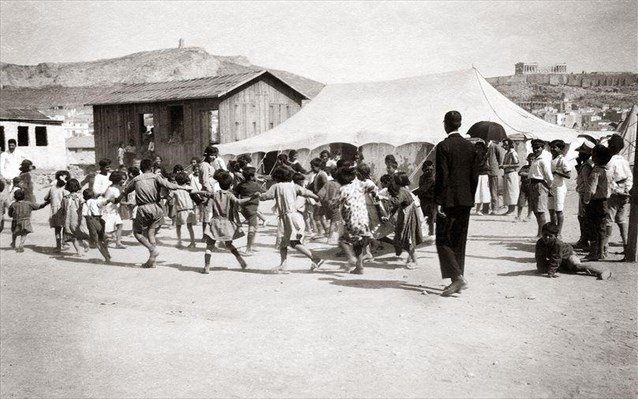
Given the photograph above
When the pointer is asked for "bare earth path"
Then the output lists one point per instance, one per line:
(79, 328)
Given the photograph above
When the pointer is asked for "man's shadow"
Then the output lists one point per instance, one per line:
(381, 284)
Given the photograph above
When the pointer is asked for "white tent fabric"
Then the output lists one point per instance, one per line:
(398, 112)
(627, 129)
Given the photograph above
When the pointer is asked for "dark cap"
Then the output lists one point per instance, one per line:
(616, 143)
(538, 143)
(550, 228)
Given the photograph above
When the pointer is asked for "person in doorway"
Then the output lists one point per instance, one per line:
(455, 183)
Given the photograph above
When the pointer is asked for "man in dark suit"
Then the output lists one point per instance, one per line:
(454, 187)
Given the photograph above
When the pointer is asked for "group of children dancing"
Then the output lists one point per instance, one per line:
(337, 201)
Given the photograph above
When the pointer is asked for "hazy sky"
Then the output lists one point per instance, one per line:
(334, 41)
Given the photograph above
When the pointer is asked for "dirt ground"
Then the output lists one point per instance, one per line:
(79, 328)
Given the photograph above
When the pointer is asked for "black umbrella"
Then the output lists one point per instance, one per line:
(487, 131)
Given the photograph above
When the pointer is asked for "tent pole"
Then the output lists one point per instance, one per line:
(414, 172)
(630, 251)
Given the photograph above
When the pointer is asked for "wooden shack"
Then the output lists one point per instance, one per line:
(186, 116)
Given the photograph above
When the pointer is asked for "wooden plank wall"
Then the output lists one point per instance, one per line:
(257, 108)
(242, 114)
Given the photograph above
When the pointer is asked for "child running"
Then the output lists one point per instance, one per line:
(55, 196)
(250, 210)
(184, 209)
(111, 211)
(92, 212)
(407, 234)
(20, 211)
(224, 222)
(291, 223)
(354, 211)
(75, 229)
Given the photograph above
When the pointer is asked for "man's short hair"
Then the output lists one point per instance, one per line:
(550, 228)
(11, 141)
(538, 143)
(560, 144)
(146, 165)
(453, 119)
(616, 143)
(104, 163)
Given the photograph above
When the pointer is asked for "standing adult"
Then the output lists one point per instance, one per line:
(494, 161)
(10, 161)
(150, 215)
(540, 182)
(130, 152)
(560, 173)
(619, 201)
(455, 183)
(510, 166)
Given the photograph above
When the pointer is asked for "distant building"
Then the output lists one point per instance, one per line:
(527, 68)
(80, 150)
(38, 137)
(188, 115)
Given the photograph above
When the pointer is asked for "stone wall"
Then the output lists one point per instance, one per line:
(577, 80)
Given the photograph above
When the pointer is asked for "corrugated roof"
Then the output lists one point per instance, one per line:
(209, 87)
(20, 114)
(80, 142)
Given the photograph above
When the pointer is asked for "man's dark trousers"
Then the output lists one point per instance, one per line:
(451, 237)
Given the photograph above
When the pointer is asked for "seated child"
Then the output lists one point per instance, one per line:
(20, 211)
(250, 210)
(553, 255)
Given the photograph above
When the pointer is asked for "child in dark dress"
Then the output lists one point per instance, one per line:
(224, 222)
(425, 193)
(407, 234)
(20, 211)
(250, 210)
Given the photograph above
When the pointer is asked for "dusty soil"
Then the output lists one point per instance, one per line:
(79, 328)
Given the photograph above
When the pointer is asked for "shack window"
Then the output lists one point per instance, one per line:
(146, 123)
(210, 125)
(2, 144)
(176, 123)
(41, 136)
(23, 136)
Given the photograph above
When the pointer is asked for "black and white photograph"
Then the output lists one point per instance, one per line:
(318, 199)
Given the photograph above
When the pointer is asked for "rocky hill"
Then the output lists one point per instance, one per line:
(52, 84)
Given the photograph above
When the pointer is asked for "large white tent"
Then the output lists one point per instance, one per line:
(627, 129)
(398, 112)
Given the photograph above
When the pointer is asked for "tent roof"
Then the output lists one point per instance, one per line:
(398, 112)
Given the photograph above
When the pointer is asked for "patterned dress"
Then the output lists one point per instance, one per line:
(354, 210)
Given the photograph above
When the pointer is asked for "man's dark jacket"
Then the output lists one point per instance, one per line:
(456, 175)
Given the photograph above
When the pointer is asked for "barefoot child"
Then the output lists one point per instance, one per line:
(407, 234)
(92, 212)
(75, 229)
(184, 210)
(111, 211)
(20, 211)
(4, 203)
(554, 255)
(291, 223)
(224, 221)
(54, 197)
(250, 210)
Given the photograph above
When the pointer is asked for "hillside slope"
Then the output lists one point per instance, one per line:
(74, 83)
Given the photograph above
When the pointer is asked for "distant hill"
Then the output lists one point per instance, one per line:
(616, 89)
(53, 84)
